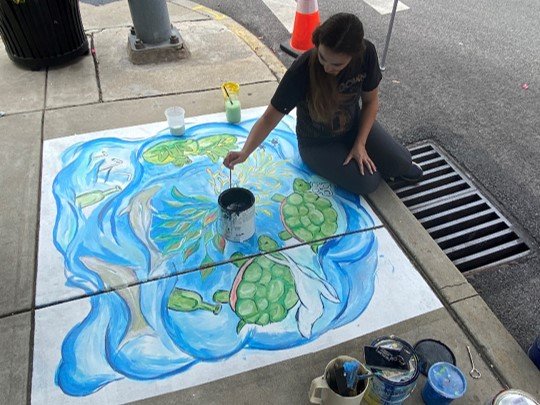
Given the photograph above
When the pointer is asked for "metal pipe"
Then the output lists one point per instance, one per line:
(388, 35)
(151, 20)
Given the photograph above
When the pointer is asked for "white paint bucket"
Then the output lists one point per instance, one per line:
(324, 389)
(237, 220)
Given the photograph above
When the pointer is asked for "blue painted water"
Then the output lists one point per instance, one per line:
(160, 220)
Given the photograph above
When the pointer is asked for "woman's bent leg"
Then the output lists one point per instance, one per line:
(391, 158)
(327, 159)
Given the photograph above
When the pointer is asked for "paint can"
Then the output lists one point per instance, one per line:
(237, 208)
(534, 352)
(393, 387)
(445, 383)
(508, 397)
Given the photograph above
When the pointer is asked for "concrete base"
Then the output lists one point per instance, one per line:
(217, 56)
(140, 53)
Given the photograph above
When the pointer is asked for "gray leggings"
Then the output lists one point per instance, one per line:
(326, 157)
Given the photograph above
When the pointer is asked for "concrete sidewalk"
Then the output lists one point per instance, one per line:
(103, 90)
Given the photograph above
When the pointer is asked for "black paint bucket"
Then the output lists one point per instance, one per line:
(237, 219)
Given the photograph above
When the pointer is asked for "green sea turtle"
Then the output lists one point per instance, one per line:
(306, 215)
(263, 290)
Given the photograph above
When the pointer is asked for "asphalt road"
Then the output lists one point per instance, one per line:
(455, 75)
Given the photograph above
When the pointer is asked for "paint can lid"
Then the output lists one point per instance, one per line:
(394, 376)
(510, 397)
(430, 351)
(447, 380)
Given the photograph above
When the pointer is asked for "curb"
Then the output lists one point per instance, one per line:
(260, 49)
(507, 360)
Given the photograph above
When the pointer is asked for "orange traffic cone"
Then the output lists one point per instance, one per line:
(306, 19)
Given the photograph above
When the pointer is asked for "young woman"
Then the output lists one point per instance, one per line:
(336, 139)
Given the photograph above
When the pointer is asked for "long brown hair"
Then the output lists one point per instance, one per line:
(342, 33)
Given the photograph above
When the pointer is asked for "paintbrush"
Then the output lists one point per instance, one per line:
(227, 93)
(353, 375)
(350, 371)
(365, 376)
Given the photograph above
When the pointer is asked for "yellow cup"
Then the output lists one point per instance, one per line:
(232, 88)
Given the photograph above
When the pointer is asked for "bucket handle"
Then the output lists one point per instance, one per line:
(315, 391)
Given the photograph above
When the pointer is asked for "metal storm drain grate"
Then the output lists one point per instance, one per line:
(467, 227)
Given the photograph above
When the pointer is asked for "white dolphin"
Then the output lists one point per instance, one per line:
(118, 278)
(310, 287)
(140, 212)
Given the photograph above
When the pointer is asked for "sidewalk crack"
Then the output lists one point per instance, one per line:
(463, 299)
(454, 285)
(96, 67)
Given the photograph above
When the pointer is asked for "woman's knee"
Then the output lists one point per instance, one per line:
(391, 157)
(347, 177)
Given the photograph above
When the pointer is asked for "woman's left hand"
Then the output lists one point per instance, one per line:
(359, 153)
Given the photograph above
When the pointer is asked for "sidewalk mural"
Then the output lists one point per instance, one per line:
(134, 220)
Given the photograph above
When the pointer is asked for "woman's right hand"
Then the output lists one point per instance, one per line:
(234, 158)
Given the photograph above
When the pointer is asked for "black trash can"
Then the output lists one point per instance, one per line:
(41, 33)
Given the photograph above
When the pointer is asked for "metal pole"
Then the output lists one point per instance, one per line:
(151, 20)
(388, 35)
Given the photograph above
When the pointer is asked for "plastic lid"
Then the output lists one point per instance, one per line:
(431, 351)
(447, 380)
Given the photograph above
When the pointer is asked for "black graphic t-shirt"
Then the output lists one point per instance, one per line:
(357, 77)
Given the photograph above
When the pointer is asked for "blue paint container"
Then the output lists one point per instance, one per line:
(445, 383)
(534, 352)
(392, 387)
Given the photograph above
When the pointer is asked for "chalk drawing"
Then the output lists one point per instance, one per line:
(148, 289)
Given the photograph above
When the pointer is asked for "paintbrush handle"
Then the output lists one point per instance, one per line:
(227, 93)
(366, 376)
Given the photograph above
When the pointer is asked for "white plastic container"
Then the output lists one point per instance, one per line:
(175, 119)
